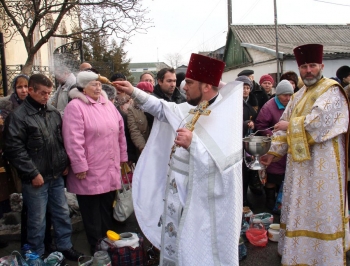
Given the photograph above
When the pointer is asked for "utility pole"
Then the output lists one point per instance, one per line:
(276, 33)
(229, 13)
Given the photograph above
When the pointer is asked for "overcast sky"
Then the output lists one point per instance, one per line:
(187, 26)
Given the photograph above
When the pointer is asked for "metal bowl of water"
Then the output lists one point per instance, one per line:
(256, 146)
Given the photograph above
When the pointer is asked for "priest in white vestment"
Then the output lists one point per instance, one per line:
(189, 203)
(313, 132)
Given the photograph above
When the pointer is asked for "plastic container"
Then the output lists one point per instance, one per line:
(33, 259)
(54, 259)
(273, 232)
(247, 213)
(101, 258)
(26, 249)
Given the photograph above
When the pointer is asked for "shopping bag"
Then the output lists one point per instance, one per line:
(123, 206)
(257, 237)
(15, 259)
(123, 256)
(278, 204)
(127, 173)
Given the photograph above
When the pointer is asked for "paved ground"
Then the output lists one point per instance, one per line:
(265, 256)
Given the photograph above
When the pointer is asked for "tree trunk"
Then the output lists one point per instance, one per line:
(27, 68)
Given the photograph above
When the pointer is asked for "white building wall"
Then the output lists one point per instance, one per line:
(329, 71)
(16, 54)
(259, 70)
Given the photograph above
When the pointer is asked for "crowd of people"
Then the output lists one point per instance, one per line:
(77, 137)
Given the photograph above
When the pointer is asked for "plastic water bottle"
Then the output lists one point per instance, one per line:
(54, 259)
(33, 259)
(101, 258)
(26, 249)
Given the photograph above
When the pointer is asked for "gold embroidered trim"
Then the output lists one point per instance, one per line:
(307, 233)
(279, 138)
(299, 147)
(296, 137)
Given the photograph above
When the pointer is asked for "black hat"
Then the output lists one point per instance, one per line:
(343, 72)
(245, 72)
(179, 78)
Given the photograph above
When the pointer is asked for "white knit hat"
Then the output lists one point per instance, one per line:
(84, 77)
(284, 87)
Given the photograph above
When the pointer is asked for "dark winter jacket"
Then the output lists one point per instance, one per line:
(249, 114)
(7, 105)
(268, 116)
(259, 94)
(177, 97)
(33, 141)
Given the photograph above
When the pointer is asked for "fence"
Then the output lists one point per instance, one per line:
(14, 70)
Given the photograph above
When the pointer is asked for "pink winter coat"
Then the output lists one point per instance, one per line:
(94, 139)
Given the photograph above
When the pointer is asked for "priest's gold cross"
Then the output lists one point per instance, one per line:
(201, 109)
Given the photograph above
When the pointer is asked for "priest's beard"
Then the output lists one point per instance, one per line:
(310, 82)
(196, 100)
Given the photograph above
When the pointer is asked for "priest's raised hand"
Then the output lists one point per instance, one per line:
(123, 86)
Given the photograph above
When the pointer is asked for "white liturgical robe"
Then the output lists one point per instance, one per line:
(190, 207)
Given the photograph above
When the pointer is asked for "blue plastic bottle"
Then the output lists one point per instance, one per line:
(33, 259)
(26, 249)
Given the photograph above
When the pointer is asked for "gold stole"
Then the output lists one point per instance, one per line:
(298, 139)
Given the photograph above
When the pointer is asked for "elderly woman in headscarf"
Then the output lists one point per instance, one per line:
(94, 138)
(11, 184)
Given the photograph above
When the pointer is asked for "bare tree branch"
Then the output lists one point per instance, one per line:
(119, 18)
(174, 59)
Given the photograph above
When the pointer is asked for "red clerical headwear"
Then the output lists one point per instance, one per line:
(308, 53)
(205, 69)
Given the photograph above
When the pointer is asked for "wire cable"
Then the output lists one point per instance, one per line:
(201, 25)
(331, 3)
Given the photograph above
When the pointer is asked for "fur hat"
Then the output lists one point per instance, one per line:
(309, 53)
(84, 77)
(145, 86)
(284, 87)
(266, 78)
(343, 72)
(245, 80)
(290, 75)
(110, 91)
(205, 69)
(246, 72)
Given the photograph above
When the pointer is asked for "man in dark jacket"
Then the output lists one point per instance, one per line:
(257, 91)
(34, 146)
(166, 87)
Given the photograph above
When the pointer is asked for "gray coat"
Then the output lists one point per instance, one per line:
(60, 98)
